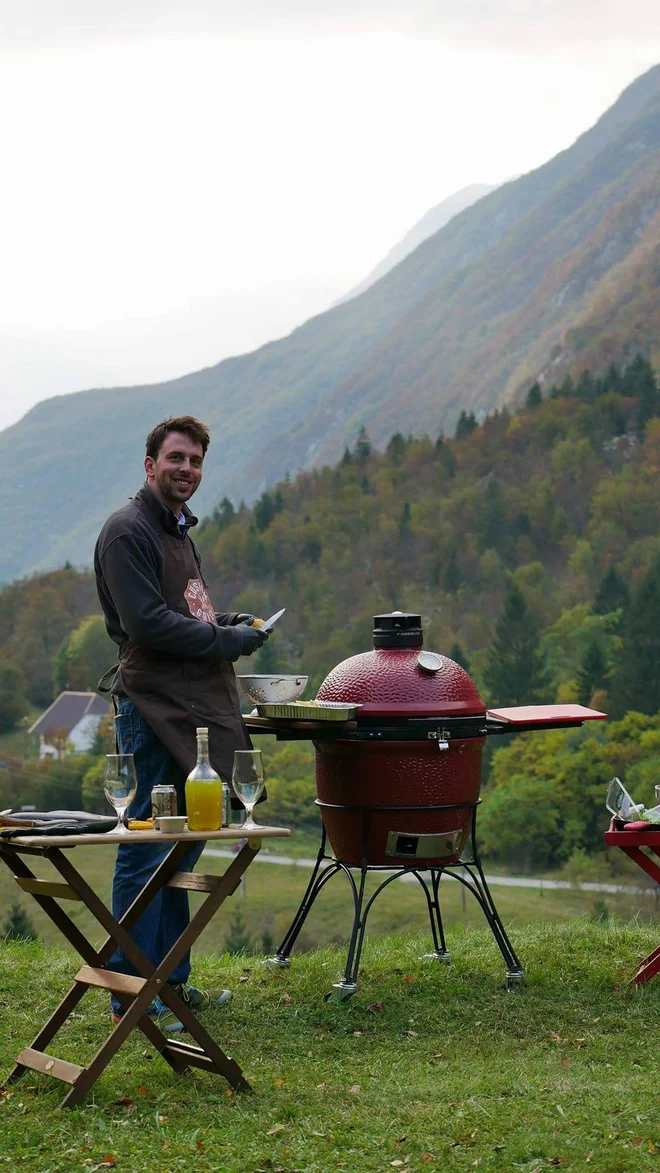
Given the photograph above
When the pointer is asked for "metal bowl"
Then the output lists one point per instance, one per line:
(273, 690)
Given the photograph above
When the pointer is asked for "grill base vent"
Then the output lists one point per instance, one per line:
(404, 845)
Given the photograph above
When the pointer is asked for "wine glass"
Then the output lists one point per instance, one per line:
(119, 785)
(248, 782)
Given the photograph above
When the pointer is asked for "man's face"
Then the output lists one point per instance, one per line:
(176, 472)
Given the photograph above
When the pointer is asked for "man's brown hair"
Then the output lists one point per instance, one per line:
(191, 427)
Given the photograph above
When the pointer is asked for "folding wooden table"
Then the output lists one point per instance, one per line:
(632, 843)
(134, 993)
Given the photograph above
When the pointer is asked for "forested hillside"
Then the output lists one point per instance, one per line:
(556, 263)
(530, 544)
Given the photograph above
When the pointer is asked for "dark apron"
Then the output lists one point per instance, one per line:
(176, 696)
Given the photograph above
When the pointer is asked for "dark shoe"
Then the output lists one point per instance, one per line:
(161, 1014)
(201, 999)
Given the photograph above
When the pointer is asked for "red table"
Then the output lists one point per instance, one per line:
(632, 844)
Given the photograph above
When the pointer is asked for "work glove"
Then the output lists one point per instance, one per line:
(243, 618)
(252, 638)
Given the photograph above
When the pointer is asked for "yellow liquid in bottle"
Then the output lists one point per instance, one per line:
(204, 804)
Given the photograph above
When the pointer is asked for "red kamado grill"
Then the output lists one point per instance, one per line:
(398, 787)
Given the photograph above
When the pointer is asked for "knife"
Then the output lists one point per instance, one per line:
(268, 623)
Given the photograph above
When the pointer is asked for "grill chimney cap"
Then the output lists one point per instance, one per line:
(398, 629)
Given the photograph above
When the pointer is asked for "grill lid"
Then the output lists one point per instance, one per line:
(391, 682)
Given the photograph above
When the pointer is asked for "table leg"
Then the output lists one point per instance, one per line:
(650, 966)
(135, 993)
(644, 862)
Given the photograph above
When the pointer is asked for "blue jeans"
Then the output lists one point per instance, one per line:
(168, 914)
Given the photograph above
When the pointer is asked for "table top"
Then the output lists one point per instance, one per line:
(647, 838)
(90, 839)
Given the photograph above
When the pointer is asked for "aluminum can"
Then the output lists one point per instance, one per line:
(163, 801)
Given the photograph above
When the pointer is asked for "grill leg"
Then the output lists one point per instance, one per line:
(515, 978)
(345, 989)
(440, 952)
(316, 881)
(479, 888)
(281, 956)
(515, 974)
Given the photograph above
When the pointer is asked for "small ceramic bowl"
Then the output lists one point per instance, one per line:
(172, 824)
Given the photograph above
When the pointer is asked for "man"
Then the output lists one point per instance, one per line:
(175, 673)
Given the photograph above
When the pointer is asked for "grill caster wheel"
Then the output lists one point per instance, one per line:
(341, 992)
(515, 980)
(278, 960)
(445, 958)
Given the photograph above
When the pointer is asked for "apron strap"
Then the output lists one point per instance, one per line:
(108, 680)
(105, 685)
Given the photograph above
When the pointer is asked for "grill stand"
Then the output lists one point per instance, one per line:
(468, 872)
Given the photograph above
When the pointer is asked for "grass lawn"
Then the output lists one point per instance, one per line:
(428, 1067)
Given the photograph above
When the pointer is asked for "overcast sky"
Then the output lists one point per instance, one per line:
(180, 186)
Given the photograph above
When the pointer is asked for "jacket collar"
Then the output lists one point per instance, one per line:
(164, 515)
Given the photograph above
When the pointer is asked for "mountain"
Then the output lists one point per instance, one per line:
(486, 303)
(430, 223)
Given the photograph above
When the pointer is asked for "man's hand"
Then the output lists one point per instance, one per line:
(252, 637)
(243, 618)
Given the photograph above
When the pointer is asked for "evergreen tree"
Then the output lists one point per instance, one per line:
(457, 654)
(447, 458)
(265, 510)
(404, 519)
(347, 458)
(466, 425)
(612, 594)
(256, 560)
(451, 575)
(61, 669)
(592, 672)
(645, 387)
(224, 513)
(396, 448)
(521, 524)
(18, 926)
(362, 448)
(515, 668)
(13, 704)
(491, 522)
(636, 684)
(586, 386)
(534, 396)
(613, 380)
(440, 441)
(238, 939)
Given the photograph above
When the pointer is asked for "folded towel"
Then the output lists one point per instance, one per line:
(54, 823)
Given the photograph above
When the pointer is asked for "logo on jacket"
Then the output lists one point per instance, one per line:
(196, 596)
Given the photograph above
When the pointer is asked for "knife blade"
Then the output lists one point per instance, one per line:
(268, 623)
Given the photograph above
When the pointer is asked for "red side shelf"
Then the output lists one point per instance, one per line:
(532, 715)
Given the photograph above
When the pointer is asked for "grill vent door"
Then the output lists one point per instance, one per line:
(405, 845)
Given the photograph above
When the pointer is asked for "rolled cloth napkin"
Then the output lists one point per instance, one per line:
(54, 823)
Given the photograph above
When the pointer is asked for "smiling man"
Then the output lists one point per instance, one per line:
(174, 673)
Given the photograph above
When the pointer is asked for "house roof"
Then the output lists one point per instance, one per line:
(67, 710)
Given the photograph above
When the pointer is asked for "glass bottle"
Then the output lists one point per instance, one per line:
(203, 790)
